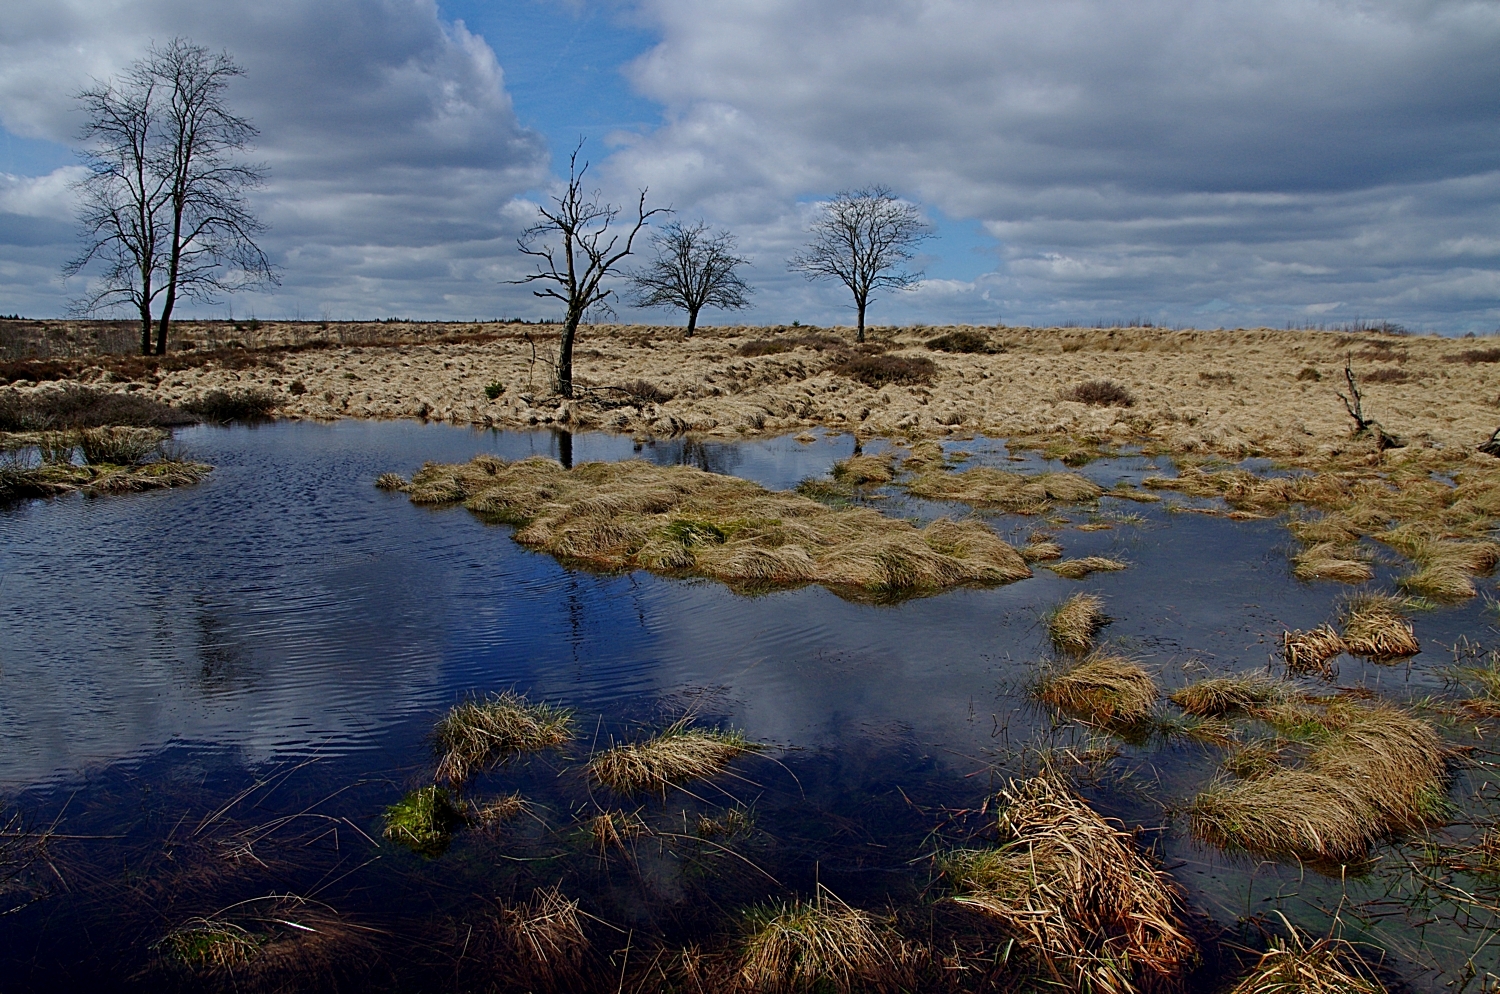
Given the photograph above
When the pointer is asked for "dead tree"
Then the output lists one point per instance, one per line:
(163, 207)
(861, 238)
(1354, 404)
(693, 269)
(587, 254)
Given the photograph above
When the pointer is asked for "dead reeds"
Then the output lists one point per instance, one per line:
(1227, 694)
(1086, 906)
(862, 470)
(677, 520)
(1371, 771)
(1077, 569)
(613, 830)
(497, 811)
(1327, 966)
(479, 734)
(545, 934)
(1074, 623)
(1102, 690)
(1041, 550)
(1311, 651)
(1331, 561)
(998, 489)
(821, 944)
(1374, 628)
(675, 756)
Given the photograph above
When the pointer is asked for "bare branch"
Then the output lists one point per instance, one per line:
(693, 269)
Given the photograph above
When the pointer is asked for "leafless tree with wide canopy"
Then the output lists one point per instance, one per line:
(694, 268)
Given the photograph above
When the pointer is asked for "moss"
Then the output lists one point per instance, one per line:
(423, 821)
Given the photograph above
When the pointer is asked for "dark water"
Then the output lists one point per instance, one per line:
(209, 696)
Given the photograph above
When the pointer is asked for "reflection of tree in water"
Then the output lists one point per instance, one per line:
(711, 457)
(223, 665)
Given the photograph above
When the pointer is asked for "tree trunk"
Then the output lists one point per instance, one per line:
(565, 355)
(145, 330)
(161, 326)
(861, 336)
(692, 321)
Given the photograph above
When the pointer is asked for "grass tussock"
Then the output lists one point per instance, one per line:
(391, 482)
(1371, 771)
(1229, 694)
(423, 821)
(210, 944)
(1331, 561)
(963, 341)
(677, 520)
(1375, 628)
(1084, 904)
(546, 936)
(1102, 690)
(998, 489)
(614, 830)
(878, 371)
(1041, 551)
(224, 406)
(819, 945)
(1074, 623)
(1312, 651)
(1099, 393)
(494, 813)
(1077, 569)
(479, 734)
(862, 470)
(1327, 966)
(19, 480)
(676, 756)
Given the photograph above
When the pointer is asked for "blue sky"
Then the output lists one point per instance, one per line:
(1190, 162)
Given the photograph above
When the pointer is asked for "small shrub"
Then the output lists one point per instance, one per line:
(1388, 374)
(966, 342)
(298, 388)
(1216, 379)
(1471, 356)
(242, 405)
(1309, 374)
(1100, 393)
(762, 347)
(493, 390)
(646, 392)
(83, 407)
(882, 370)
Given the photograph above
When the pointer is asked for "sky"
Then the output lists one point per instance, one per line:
(1197, 163)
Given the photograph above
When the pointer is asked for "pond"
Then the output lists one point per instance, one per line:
(208, 696)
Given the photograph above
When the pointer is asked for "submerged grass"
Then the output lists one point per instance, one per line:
(1375, 628)
(1312, 651)
(545, 934)
(478, 734)
(1077, 569)
(1331, 561)
(1102, 690)
(423, 821)
(210, 944)
(1371, 771)
(674, 757)
(1087, 907)
(818, 945)
(677, 520)
(1074, 623)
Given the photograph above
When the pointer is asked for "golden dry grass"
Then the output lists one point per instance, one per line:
(1327, 966)
(1074, 623)
(677, 520)
(1041, 551)
(479, 734)
(497, 811)
(1086, 906)
(1311, 651)
(998, 489)
(1375, 628)
(1077, 569)
(1331, 561)
(1102, 690)
(675, 756)
(546, 933)
(1371, 771)
(822, 945)
(1227, 694)
(614, 829)
(863, 470)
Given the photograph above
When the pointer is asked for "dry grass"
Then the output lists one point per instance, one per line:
(1074, 623)
(998, 489)
(1375, 628)
(1099, 393)
(614, 829)
(1371, 771)
(674, 757)
(479, 734)
(497, 811)
(391, 481)
(1041, 551)
(1082, 901)
(1102, 690)
(1331, 561)
(1312, 651)
(860, 470)
(889, 370)
(546, 935)
(51, 479)
(1077, 569)
(1327, 966)
(819, 945)
(210, 944)
(677, 520)
(1228, 694)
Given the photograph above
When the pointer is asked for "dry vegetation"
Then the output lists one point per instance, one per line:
(1312, 651)
(821, 945)
(1102, 690)
(1375, 628)
(674, 757)
(1327, 966)
(1229, 694)
(1077, 569)
(681, 521)
(998, 489)
(1074, 623)
(480, 734)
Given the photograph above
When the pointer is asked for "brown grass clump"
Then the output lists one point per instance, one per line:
(676, 756)
(1328, 966)
(1100, 393)
(822, 945)
(1372, 771)
(1330, 561)
(1081, 900)
(390, 481)
(887, 370)
(613, 829)
(1018, 493)
(1077, 569)
(479, 734)
(1227, 694)
(546, 935)
(859, 470)
(1074, 623)
(1374, 628)
(678, 520)
(497, 811)
(1041, 551)
(963, 341)
(1310, 652)
(1102, 690)
(50, 479)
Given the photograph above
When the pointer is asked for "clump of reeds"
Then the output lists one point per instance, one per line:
(546, 935)
(1445, 568)
(497, 811)
(1040, 551)
(1082, 901)
(1228, 694)
(821, 944)
(119, 446)
(1019, 493)
(1375, 628)
(675, 756)
(1327, 966)
(1487, 678)
(1077, 569)
(210, 944)
(1371, 771)
(391, 481)
(1074, 623)
(1103, 690)
(423, 821)
(861, 470)
(478, 734)
(613, 829)
(1331, 561)
(735, 821)
(1311, 651)
(629, 515)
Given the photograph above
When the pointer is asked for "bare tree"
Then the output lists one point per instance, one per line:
(693, 269)
(861, 238)
(163, 207)
(587, 255)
